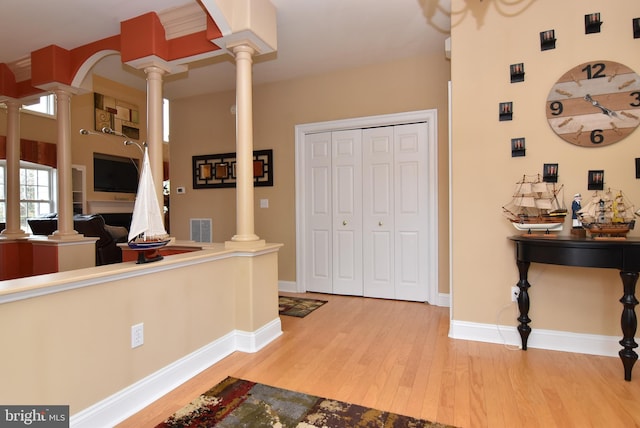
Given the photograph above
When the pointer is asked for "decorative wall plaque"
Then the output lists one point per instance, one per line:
(219, 171)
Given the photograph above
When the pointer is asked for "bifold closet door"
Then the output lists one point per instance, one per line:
(394, 205)
(318, 213)
(365, 211)
(411, 195)
(347, 211)
(333, 190)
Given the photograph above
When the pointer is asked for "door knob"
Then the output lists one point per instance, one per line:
(379, 223)
(344, 222)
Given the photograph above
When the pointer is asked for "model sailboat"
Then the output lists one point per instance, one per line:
(536, 206)
(608, 215)
(147, 230)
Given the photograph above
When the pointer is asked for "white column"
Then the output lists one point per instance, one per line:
(154, 127)
(244, 150)
(12, 228)
(65, 188)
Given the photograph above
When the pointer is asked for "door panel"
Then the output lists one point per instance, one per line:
(411, 193)
(378, 207)
(319, 235)
(347, 212)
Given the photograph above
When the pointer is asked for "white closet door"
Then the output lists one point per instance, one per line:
(410, 217)
(318, 211)
(378, 212)
(347, 212)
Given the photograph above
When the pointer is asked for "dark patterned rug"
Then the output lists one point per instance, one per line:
(298, 307)
(238, 403)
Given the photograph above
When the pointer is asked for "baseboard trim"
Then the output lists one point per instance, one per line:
(288, 287)
(251, 342)
(552, 340)
(443, 299)
(132, 399)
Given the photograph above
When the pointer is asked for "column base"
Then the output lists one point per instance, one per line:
(14, 234)
(69, 236)
(245, 245)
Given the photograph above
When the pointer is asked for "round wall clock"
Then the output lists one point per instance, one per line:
(595, 104)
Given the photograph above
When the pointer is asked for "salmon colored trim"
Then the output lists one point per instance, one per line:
(51, 64)
(140, 37)
(38, 152)
(81, 54)
(16, 260)
(25, 89)
(190, 45)
(213, 32)
(143, 36)
(7, 82)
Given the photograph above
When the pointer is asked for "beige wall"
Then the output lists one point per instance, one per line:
(484, 44)
(204, 125)
(74, 346)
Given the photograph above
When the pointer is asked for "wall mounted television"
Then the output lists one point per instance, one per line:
(114, 174)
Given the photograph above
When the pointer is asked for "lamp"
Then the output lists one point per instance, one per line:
(109, 131)
(139, 146)
(85, 132)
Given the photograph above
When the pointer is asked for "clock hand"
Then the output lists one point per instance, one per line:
(605, 110)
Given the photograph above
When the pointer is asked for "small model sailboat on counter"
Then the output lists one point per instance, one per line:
(147, 232)
(537, 206)
(608, 215)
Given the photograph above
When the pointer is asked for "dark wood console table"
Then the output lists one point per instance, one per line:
(623, 255)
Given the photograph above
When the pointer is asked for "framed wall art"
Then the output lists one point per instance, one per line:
(219, 170)
(117, 115)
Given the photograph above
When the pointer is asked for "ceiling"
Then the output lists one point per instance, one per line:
(314, 36)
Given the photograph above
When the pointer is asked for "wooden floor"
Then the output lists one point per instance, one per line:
(396, 356)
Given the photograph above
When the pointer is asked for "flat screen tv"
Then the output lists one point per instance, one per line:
(114, 174)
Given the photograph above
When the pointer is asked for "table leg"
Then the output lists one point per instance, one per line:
(523, 303)
(629, 322)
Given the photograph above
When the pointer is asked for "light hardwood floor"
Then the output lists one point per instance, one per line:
(396, 356)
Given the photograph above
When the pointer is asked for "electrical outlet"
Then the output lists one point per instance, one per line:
(515, 292)
(137, 335)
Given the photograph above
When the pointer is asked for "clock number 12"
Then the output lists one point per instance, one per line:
(595, 71)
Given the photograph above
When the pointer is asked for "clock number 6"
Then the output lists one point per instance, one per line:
(556, 108)
(596, 136)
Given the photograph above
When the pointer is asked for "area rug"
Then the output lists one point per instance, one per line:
(238, 403)
(298, 307)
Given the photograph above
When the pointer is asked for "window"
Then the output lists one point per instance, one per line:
(37, 192)
(47, 105)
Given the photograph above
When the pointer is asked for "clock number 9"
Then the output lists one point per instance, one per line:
(596, 136)
(636, 95)
(556, 108)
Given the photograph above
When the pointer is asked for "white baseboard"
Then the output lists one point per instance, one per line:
(444, 300)
(132, 399)
(289, 287)
(292, 287)
(250, 342)
(552, 340)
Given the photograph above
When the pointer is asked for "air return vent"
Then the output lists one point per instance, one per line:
(201, 230)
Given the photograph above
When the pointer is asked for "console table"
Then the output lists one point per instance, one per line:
(623, 255)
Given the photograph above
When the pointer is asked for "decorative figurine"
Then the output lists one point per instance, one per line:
(575, 207)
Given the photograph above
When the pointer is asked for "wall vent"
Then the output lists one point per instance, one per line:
(200, 230)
